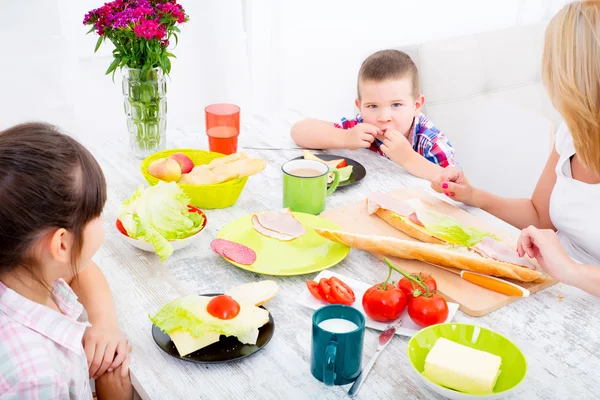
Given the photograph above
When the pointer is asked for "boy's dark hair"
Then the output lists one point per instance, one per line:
(389, 64)
(47, 181)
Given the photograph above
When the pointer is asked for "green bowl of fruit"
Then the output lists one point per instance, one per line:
(465, 361)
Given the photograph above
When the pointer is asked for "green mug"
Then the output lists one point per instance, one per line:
(337, 344)
(305, 185)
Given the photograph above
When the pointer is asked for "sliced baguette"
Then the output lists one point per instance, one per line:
(404, 224)
(448, 256)
(257, 293)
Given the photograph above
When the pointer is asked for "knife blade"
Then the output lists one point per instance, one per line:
(384, 338)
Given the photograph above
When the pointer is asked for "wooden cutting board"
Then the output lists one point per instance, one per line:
(474, 300)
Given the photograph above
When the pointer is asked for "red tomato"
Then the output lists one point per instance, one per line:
(341, 292)
(425, 311)
(408, 287)
(342, 164)
(223, 307)
(384, 305)
(313, 288)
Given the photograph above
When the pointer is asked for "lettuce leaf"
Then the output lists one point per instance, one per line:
(448, 228)
(344, 172)
(189, 314)
(159, 214)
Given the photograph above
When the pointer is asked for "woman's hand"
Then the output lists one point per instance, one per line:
(544, 246)
(454, 184)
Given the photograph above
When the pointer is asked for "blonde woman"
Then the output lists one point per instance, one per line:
(567, 196)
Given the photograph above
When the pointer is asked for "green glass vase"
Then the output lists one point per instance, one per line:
(145, 103)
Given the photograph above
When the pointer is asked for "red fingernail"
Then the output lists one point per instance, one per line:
(445, 186)
(446, 193)
(452, 194)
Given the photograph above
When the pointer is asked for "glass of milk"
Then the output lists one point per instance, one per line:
(337, 344)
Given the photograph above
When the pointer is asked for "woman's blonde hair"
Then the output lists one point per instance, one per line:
(571, 74)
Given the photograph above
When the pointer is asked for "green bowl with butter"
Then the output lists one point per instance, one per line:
(463, 367)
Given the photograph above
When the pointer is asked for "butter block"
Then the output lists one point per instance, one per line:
(462, 368)
(187, 344)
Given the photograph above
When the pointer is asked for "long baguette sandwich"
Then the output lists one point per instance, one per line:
(421, 222)
(445, 255)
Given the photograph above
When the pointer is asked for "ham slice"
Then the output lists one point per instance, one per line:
(500, 251)
(378, 200)
(280, 225)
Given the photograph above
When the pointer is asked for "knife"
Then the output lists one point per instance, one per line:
(495, 284)
(384, 338)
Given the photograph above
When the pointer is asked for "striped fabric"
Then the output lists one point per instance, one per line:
(41, 353)
(426, 140)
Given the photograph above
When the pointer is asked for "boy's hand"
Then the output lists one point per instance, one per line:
(454, 184)
(361, 136)
(106, 347)
(395, 146)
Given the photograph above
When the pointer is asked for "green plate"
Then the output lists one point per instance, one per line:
(307, 254)
(512, 369)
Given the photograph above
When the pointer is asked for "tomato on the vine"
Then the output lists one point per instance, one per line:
(409, 287)
(428, 310)
(384, 302)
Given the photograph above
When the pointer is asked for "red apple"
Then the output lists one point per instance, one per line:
(184, 161)
(165, 169)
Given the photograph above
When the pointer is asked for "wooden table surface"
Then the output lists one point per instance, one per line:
(558, 329)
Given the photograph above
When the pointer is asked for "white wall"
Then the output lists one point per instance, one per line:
(319, 45)
(299, 54)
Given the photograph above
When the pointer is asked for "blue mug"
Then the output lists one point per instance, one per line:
(337, 344)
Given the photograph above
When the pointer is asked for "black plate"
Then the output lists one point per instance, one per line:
(225, 350)
(358, 170)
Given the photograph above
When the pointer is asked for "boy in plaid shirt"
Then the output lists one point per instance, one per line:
(390, 120)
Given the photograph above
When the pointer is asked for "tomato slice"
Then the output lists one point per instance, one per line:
(342, 164)
(313, 288)
(342, 292)
(325, 289)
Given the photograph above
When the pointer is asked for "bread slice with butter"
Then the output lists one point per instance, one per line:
(257, 293)
(462, 368)
(192, 328)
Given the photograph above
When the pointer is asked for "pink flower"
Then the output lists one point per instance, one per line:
(149, 29)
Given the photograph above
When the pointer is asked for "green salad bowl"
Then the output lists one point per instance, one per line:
(513, 368)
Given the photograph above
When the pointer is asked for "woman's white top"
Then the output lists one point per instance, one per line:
(575, 206)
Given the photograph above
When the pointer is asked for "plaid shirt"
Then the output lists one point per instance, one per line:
(425, 138)
(41, 354)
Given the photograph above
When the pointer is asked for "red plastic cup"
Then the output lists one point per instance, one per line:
(222, 127)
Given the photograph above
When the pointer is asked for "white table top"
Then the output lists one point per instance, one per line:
(560, 336)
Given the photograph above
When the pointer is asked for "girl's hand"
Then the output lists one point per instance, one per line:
(106, 347)
(115, 385)
(454, 184)
(544, 246)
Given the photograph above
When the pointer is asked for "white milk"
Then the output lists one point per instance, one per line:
(338, 325)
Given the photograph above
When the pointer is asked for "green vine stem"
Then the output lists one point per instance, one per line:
(384, 284)
(409, 277)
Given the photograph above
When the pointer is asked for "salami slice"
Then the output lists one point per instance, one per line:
(235, 252)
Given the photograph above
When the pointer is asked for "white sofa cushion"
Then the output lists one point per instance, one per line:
(485, 92)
